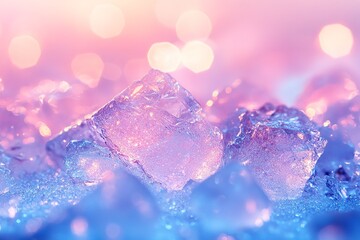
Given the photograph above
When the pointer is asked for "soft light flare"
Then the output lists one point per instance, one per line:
(164, 56)
(192, 25)
(336, 40)
(107, 20)
(24, 51)
(88, 68)
(197, 56)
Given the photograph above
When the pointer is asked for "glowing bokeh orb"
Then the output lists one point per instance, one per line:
(24, 51)
(336, 40)
(88, 68)
(197, 56)
(192, 25)
(107, 20)
(164, 56)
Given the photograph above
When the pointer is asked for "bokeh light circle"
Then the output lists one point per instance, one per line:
(192, 25)
(107, 20)
(88, 68)
(197, 56)
(164, 56)
(336, 40)
(24, 51)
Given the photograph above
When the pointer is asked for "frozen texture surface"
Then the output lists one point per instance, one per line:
(279, 145)
(121, 208)
(28, 201)
(230, 200)
(158, 127)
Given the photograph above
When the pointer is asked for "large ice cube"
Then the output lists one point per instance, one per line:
(159, 128)
(279, 145)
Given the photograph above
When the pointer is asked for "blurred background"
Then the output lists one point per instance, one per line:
(61, 60)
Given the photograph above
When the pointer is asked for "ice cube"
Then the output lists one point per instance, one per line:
(158, 127)
(279, 145)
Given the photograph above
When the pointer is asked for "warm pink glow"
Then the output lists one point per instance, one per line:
(192, 25)
(107, 20)
(24, 51)
(87, 68)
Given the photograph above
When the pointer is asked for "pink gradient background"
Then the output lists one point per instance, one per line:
(272, 45)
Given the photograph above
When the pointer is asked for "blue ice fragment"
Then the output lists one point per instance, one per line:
(121, 208)
(336, 226)
(336, 172)
(230, 200)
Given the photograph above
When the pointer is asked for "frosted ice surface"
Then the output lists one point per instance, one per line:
(279, 145)
(230, 200)
(157, 126)
(121, 208)
(88, 163)
(30, 200)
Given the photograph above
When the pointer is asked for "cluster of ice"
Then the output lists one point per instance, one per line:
(261, 174)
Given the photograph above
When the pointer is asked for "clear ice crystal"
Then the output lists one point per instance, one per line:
(230, 200)
(120, 208)
(279, 145)
(158, 127)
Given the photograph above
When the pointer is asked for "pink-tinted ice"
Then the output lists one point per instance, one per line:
(158, 127)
